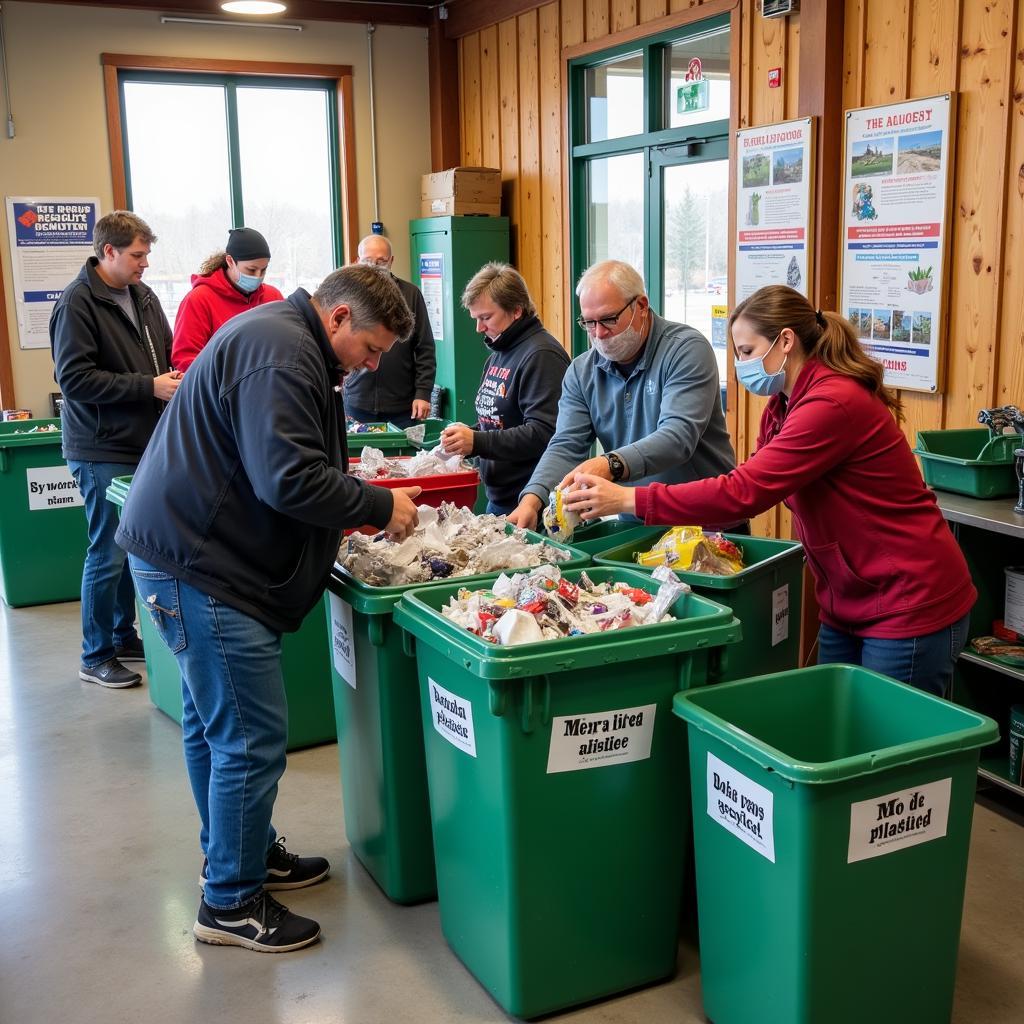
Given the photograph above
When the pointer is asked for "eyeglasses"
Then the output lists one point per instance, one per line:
(369, 261)
(607, 322)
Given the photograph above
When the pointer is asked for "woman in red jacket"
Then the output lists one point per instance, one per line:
(892, 585)
(228, 283)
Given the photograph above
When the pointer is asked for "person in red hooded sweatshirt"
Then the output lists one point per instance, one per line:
(892, 585)
(228, 283)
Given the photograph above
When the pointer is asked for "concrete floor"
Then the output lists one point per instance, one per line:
(98, 847)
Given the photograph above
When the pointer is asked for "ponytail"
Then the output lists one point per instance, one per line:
(214, 262)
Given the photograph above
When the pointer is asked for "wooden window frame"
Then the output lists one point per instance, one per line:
(341, 75)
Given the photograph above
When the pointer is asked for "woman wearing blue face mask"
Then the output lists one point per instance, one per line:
(228, 283)
(892, 586)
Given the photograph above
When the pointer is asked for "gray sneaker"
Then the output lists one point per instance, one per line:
(111, 674)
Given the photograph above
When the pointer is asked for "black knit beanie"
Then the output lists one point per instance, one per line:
(247, 244)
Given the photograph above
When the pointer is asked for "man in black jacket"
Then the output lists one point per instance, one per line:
(399, 390)
(232, 525)
(111, 343)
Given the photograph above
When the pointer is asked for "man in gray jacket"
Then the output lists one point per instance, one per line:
(647, 390)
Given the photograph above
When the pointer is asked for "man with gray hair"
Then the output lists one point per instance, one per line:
(232, 527)
(647, 390)
(399, 389)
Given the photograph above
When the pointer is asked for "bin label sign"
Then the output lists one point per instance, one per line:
(452, 717)
(895, 821)
(52, 487)
(780, 615)
(741, 807)
(343, 640)
(601, 738)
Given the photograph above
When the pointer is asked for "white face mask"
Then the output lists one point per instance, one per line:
(623, 346)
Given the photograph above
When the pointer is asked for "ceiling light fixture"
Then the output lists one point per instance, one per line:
(253, 7)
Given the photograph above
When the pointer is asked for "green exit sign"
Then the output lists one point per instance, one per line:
(692, 97)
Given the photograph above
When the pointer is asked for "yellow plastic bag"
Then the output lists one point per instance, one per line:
(676, 550)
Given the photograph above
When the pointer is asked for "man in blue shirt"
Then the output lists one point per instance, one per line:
(647, 390)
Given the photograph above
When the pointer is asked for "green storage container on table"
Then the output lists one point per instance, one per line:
(43, 529)
(973, 461)
(554, 771)
(766, 597)
(380, 737)
(832, 816)
(391, 441)
(305, 665)
(601, 534)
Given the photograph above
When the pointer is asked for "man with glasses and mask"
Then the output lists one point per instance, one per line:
(647, 390)
(399, 390)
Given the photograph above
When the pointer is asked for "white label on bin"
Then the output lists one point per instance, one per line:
(452, 717)
(52, 487)
(741, 807)
(601, 738)
(343, 640)
(780, 615)
(895, 821)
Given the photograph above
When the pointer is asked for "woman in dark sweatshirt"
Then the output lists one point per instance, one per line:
(517, 403)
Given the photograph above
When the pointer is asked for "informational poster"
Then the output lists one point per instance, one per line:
(432, 286)
(896, 226)
(898, 820)
(601, 738)
(741, 806)
(773, 206)
(50, 240)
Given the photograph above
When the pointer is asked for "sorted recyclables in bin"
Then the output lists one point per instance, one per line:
(766, 597)
(305, 664)
(554, 771)
(380, 736)
(458, 488)
(391, 441)
(832, 816)
(43, 529)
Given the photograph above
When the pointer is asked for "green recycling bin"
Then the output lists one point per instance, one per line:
(43, 529)
(832, 816)
(304, 663)
(391, 441)
(431, 433)
(554, 770)
(766, 597)
(380, 738)
(600, 535)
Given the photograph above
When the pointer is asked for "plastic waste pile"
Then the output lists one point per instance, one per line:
(374, 465)
(355, 427)
(691, 549)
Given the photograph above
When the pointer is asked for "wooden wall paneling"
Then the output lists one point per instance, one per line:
(972, 333)
(854, 45)
(445, 107)
(552, 295)
(887, 51)
(648, 10)
(573, 22)
(508, 80)
(623, 14)
(472, 139)
(530, 230)
(790, 76)
(490, 98)
(597, 20)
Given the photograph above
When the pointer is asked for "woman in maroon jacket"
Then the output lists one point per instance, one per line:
(228, 283)
(892, 585)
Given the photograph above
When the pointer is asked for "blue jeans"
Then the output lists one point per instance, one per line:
(499, 510)
(922, 661)
(108, 598)
(234, 725)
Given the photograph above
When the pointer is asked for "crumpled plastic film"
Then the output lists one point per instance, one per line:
(449, 542)
(558, 521)
(691, 549)
(374, 465)
(416, 433)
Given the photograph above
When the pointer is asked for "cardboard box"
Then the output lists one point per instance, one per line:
(460, 191)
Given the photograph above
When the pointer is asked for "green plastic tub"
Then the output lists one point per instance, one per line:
(391, 442)
(431, 434)
(554, 771)
(766, 597)
(969, 461)
(832, 816)
(380, 738)
(601, 534)
(304, 663)
(43, 529)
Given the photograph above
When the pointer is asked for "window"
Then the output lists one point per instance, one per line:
(649, 182)
(207, 152)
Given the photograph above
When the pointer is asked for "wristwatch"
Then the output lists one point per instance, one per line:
(615, 465)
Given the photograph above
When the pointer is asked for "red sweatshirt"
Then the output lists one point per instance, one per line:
(213, 301)
(884, 561)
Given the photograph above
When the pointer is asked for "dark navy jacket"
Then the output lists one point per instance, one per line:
(242, 492)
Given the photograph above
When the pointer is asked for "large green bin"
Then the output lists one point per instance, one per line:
(832, 816)
(968, 461)
(43, 529)
(766, 597)
(304, 663)
(560, 861)
(380, 738)
(601, 534)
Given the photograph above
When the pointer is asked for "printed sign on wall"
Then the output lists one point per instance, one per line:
(895, 821)
(742, 807)
(432, 287)
(601, 738)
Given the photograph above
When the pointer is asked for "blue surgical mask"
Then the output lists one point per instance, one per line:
(249, 283)
(756, 379)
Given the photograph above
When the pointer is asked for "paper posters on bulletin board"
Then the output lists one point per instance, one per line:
(432, 287)
(774, 212)
(50, 240)
(897, 160)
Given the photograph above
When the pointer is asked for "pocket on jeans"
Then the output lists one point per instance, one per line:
(158, 592)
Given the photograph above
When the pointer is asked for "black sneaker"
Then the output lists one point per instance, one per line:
(262, 924)
(286, 870)
(131, 651)
(111, 674)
